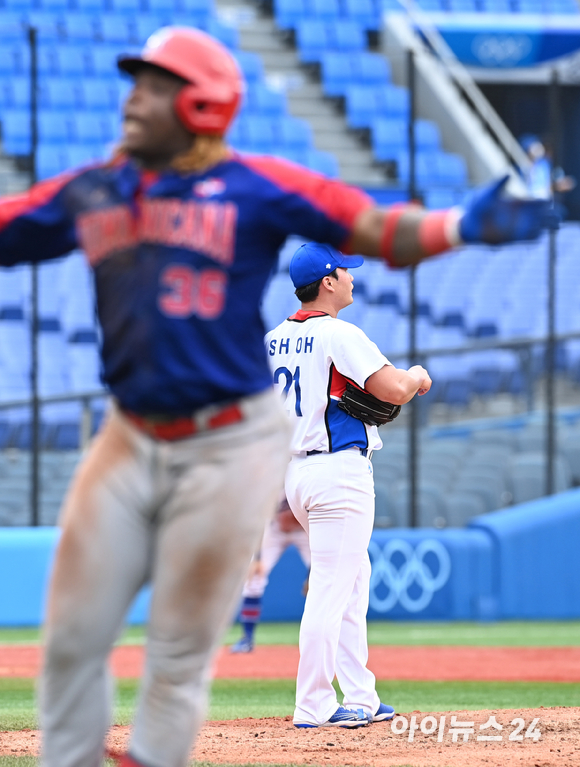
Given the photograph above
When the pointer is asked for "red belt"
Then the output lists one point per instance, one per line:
(171, 429)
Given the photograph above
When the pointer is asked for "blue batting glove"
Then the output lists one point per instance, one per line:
(491, 218)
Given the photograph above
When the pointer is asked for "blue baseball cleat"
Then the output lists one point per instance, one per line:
(342, 717)
(383, 713)
(242, 645)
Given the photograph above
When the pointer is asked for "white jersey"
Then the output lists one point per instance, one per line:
(312, 355)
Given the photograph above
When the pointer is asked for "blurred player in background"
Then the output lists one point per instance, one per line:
(182, 234)
(541, 179)
(283, 531)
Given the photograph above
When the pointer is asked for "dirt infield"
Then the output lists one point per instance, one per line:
(276, 741)
(533, 664)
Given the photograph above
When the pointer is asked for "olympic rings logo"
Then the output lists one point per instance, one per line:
(414, 569)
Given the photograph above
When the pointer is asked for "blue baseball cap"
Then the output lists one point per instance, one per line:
(314, 261)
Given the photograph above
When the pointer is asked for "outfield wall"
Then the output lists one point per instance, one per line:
(518, 563)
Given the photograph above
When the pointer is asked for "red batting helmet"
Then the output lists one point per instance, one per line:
(208, 103)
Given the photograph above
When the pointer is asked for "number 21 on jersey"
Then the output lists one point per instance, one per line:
(291, 378)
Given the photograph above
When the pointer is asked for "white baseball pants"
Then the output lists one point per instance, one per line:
(185, 516)
(332, 496)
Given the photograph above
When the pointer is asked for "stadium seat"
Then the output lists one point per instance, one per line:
(50, 160)
(528, 473)
(288, 13)
(126, 7)
(384, 513)
(293, 132)
(251, 65)
(265, 101)
(463, 6)
(97, 95)
(48, 26)
(57, 95)
(113, 28)
(462, 506)
(259, 133)
(347, 35)
(225, 33)
(326, 10)
(18, 5)
(163, 10)
(71, 61)
(54, 128)
(322, 162)
(197, 8)
(14, 93)
(14, 60)
(11, 27)
(363, 12)
(103, 61)
(389, 137)
(337, 73)
(371, 68)
(496, 6)
(312, 39)
(80, 27)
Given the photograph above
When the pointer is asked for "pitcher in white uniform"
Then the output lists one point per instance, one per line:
(329, 482)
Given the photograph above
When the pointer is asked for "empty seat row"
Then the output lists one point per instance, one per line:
(57, 128)
(289, 13)
(108, 27)
(77, 61)
(133, 7)
(434, 168)
(364, 103)
(263, 134)
(314, 37)
(493, 6)
(391, 136)
(340, 70)
(96, 95)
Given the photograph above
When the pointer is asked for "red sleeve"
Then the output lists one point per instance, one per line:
(339, 202)
(25, 202)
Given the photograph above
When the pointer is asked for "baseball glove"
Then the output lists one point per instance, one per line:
(367, 408)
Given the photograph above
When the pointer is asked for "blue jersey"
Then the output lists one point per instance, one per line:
(180, 264)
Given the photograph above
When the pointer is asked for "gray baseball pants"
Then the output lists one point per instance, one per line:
(185, 516)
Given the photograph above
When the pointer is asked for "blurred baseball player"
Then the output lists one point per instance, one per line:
(283, 531)
(338, 387)
(181, 234)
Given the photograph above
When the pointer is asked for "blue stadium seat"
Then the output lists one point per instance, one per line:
(312, 39)
(54, 6)
(11, 27)
(57, 95)
(84, 154)
(97, 95)
(225, 33)
(324, 9)
(19, 5)
(289, 13)
(463, 6)
(371, 68)
(389, 137)
(251, 65)
(322, 162)
(450, 169)
(259, 133)
(337, 73)
(363, 12)
(198, 8)
(128, 7)
(48, 25)
(50, 160)
(144, 27)
(14, 60)
(431, 5)
(16, 93)
(15, 132)
(164, 10)
(54, 128)
(496, 6)
(366, 102)
(347, 35)
(236, 134)
(104, 61)
(293, 132)
(264, 100)
(80, 27)
(113, 28)
(94, 128)
(427, 135)
(89, 6)
(71, 61)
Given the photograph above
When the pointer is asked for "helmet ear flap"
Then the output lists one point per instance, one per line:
(186, 107)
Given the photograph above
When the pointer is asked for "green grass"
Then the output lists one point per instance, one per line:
(241, 698)
(501, 634)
